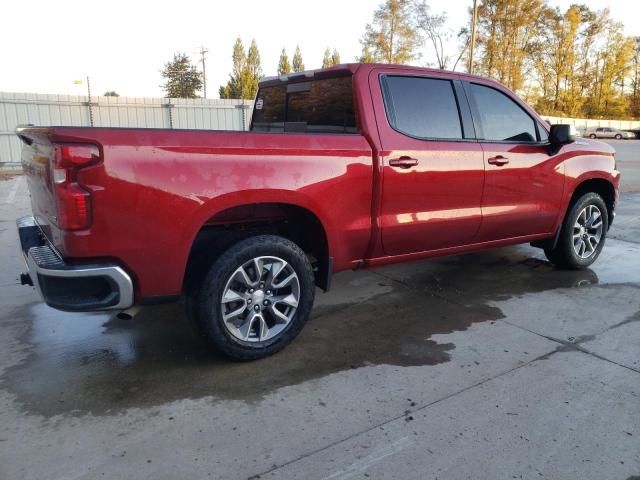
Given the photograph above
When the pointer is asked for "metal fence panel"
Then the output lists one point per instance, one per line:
(127, 112)
(591, 122)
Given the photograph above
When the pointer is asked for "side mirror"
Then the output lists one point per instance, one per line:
(560, 135)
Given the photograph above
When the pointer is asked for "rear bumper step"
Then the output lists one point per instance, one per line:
(68, 287)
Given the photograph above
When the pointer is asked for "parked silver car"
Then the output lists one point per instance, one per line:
(608, 132)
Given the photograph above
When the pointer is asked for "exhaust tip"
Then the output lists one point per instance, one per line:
(129, 313)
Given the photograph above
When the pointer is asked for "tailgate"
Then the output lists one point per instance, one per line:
(36, 163)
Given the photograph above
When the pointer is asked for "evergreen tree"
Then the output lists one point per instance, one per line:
(326, 59)
(284, 67)
(111, 93)
(335, 57)
(245, 74)
(252, 72)
(298, 65)
(330, 58)
(182, 79)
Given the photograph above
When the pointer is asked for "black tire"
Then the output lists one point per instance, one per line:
(618, 136)
(205, 298)
(564, 254)
(593, 135)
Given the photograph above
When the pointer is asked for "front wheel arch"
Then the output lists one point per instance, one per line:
(602, 187)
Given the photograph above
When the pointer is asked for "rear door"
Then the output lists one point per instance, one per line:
(523, 183)
(432, 165)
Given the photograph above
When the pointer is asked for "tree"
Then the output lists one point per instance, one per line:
(182, 79)
(576, 62)
(111, 93)
(335, 57)
(326, 59)
(252, 72)
(245, 74)
(392, 36)
(298, 65)
(557, 62)
(635, 82)
(284, 67)
(366, 56)
(612, 67)
(330, 58)
(432, 27)
(233, 88)
(508, 35)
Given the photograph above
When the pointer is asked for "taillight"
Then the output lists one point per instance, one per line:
(73, 203)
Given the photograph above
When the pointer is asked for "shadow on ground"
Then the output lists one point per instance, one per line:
(96, 363)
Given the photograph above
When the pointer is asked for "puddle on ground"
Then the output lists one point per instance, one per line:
(96, 363)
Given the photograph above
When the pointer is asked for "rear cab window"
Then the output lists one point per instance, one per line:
(313, 106)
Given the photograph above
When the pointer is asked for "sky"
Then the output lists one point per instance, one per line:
(122, 45)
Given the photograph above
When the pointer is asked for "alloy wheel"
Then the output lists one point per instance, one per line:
(260, 299)
(587, 231)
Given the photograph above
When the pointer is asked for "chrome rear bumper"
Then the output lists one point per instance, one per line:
(68, 286)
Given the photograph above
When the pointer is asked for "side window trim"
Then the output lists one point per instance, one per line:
(477, 118)
(469, 130)
(461, 104)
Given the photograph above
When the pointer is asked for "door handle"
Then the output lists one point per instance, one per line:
(403, 162)
(498, 160)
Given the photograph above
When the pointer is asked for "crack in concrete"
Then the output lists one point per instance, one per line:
(633, 318)
(575, 345)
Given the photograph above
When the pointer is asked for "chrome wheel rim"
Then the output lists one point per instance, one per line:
(587, 231)
(260, 299)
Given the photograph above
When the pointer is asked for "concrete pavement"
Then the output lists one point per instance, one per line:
(492, 365)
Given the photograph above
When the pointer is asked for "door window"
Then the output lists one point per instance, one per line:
(502, 119)
(424, 108)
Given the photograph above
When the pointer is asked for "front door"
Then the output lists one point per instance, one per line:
(433, 170)
(523, 183)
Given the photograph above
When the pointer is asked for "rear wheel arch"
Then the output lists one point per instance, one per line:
(230, 225)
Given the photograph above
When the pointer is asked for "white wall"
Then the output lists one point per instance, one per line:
(585, 122)
(132, 112)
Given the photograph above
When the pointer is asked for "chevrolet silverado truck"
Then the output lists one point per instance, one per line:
(350, 167)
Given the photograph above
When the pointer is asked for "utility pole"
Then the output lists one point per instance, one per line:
(474, 20)
(203, 52)
(89, 103)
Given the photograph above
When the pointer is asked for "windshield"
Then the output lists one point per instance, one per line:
(316, 106)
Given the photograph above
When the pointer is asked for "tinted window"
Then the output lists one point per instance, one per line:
(502, 118)
(321, 106)
(544, 136)
(422, 107)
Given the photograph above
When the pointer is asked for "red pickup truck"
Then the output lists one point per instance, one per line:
(349, 167)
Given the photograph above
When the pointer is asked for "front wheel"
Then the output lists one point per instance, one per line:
(255, 298)
(582, 233)
(593, 135)
(618, 137)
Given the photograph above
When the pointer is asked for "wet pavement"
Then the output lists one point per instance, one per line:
(490, 365)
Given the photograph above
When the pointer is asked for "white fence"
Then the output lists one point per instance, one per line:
(131, 112)
(586, 122)
(140, 112)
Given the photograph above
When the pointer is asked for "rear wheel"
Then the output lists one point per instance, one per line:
(618, 136)
(582, 234)
(255, 298)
